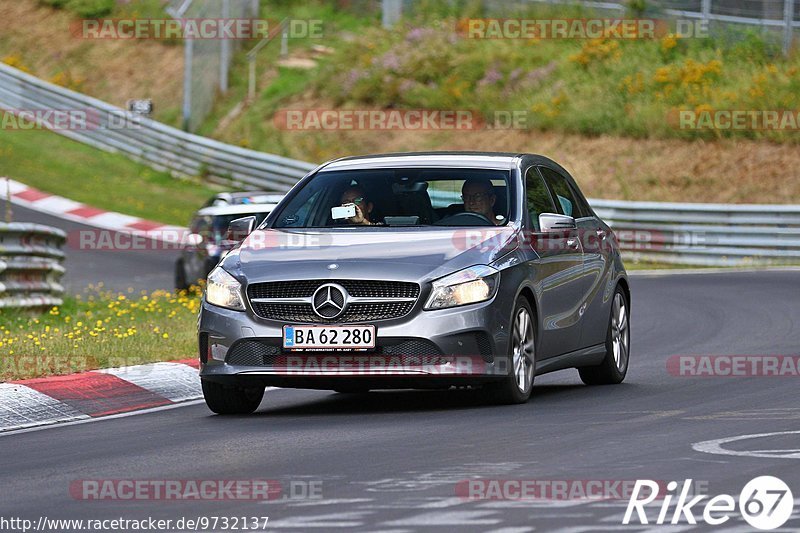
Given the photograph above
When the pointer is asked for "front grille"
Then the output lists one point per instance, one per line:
(268, 352)
(253, 353)
(355, 312)
(359, 288)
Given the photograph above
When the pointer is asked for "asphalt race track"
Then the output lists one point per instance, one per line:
(391, 461)
(119, 270)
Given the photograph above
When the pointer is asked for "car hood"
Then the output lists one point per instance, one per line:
(417, 254)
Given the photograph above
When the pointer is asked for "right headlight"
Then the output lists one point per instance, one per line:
(471, 285)
(224, 290)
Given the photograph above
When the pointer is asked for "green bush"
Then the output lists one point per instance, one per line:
(91, 8)
(54, 3)
(83, 8)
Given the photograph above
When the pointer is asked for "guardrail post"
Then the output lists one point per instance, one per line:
(8, 201)
(284, 40)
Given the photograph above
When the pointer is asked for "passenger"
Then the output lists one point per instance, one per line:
(355, 195)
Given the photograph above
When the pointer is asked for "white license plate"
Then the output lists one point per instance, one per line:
(329, 337)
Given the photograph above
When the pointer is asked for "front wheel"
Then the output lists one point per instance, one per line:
(614, 367)
(517, 385)
(231, 400)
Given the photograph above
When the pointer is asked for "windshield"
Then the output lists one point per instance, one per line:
(400, 197)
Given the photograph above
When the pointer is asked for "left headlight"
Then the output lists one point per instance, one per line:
(471, 285)
(223, 290)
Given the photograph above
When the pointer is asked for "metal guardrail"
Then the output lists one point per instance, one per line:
(162, 147)
(31, 267)
(700, 234)
(705, 234)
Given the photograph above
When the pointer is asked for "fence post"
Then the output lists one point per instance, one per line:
(788, 18)
(706, 10)
(224, 51)
(392, 11)
(188, 55)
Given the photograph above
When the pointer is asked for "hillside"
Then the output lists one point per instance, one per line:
(636, 156)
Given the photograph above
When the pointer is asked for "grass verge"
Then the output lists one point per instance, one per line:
(99, 330)
(58, 165)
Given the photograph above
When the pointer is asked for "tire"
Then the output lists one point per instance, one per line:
(180, 276)
(231, 400)
(614, 367)
(516, 386)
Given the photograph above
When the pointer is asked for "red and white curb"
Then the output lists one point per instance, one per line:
(99, 393)
(67, 209)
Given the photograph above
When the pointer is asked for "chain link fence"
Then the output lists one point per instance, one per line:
(207, 61)
(778, 20)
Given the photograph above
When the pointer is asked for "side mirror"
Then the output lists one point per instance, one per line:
(551, 222)
(239, 229)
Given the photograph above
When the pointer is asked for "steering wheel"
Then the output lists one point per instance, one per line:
(465, 218)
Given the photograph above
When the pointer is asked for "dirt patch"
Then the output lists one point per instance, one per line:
(728, 171)
(112, 70)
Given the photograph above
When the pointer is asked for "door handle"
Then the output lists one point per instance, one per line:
(572, 243)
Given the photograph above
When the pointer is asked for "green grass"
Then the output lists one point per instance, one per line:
(60, 166)
(100, 330)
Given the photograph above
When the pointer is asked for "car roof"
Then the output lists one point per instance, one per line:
(258, 197)
(489, 160)
(238, 209)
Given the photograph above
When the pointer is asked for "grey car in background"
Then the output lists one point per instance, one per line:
(207, 241)
(419, 270)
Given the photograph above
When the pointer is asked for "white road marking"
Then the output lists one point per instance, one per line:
(349, 519)
(89, 420)
(173, 381)
(716, 446)
(22, 407)
(449, 518)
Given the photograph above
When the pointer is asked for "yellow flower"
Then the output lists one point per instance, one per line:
(668, 42)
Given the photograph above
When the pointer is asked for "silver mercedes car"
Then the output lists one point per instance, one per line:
(418, 270)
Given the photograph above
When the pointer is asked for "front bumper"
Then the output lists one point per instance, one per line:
(456, 346)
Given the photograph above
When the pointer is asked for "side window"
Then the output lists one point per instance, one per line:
(567, 201)
(537, 196)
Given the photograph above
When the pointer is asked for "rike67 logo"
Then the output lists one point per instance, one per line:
(765, 503)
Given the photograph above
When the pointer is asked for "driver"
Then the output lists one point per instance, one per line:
(479, 197)
(355, 195)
